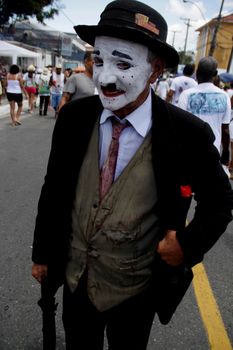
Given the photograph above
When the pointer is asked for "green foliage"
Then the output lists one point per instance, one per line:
(41, 9)
(185, 58)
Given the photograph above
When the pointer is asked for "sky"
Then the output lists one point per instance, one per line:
(175, 12)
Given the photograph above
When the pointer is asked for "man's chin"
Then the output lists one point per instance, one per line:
(113, 103)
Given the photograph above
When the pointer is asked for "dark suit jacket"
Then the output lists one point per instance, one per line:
(183, 155)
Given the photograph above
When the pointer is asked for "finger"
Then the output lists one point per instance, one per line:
(160, 246)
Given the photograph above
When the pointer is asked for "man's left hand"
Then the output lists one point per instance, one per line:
(170, 250)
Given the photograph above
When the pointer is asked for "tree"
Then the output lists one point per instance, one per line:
(185, 58)
(41, 9)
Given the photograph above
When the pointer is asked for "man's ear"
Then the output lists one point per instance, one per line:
(157, 65)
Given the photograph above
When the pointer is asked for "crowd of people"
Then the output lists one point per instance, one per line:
(49, 85)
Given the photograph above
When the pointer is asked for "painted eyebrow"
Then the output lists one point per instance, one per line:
(121, 55)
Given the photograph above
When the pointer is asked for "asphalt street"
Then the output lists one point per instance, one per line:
(24, 153)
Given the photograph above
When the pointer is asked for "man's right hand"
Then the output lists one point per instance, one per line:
(39, 272)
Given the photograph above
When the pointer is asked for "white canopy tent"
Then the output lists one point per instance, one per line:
(14, 51)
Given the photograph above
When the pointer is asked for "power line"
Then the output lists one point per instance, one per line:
(67, 17)
(59, 7)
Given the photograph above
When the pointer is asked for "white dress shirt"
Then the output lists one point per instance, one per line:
(131, 137)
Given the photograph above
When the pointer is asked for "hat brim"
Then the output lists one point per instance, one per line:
(164, 50)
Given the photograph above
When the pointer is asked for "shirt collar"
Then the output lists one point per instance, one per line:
(206, 84)
(140, 118)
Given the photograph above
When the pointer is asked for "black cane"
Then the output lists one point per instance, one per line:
(48, 307)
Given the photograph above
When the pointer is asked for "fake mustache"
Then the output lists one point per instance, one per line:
(109, 87)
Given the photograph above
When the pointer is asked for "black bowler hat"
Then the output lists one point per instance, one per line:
(134, 21)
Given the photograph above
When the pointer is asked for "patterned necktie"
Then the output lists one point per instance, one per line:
(109, 167)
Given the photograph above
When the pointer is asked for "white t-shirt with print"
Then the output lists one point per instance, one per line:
(210, 104)
(178, 85)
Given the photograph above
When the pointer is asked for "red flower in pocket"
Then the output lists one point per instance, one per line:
(186, 191)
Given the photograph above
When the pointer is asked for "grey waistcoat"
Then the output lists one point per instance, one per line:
(115, 240)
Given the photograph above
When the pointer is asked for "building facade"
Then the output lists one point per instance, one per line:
(51, 45)
(223, 42)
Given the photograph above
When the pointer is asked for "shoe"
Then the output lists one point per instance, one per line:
(17, 122)
(45, 113)
(40, 113)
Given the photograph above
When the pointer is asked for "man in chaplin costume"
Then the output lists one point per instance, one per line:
(111, 220)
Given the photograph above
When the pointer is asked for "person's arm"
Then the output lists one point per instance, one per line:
(66, 97)
(171, 91)
(21, 83)
(214, 200)
(225, 157)
(68, 91)
(4, 82)
(225, 133)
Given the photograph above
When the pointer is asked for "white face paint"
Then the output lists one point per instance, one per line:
(120, 72)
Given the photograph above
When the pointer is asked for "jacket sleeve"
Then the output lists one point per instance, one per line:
(69, 143)
(214, 199)
(54, 201)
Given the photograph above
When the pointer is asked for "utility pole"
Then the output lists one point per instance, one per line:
(213, 42)
(174, 34)
(187, 32)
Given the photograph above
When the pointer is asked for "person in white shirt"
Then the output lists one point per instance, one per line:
(162, 88)
(57, 84)
(210, 104)
(179, 84)
(14, 87)
(30, 84)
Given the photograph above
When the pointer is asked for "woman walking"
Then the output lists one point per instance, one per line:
(14, 87)
(30, 86)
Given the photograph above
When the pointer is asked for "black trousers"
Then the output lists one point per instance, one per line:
(127, 325)
(44, 101)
